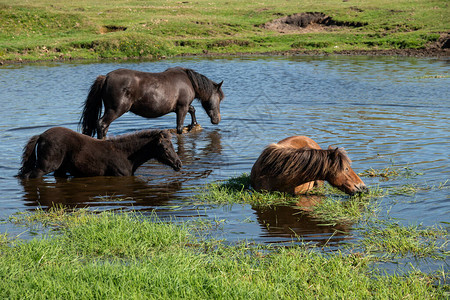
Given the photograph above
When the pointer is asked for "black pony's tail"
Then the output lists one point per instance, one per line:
(92, 107)
(28, 158)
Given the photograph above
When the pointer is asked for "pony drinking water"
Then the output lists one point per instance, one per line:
(66, 152)
(295, 164)
(149, 95)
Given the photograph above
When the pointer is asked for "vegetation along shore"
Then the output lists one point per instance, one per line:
(115, 256)
(45, 30)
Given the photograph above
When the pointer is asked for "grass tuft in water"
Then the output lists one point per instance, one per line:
(390, 172)
(393, 240)
(334, 211)
(326, 203)
(237, 190)
(432, 76)
(56, 217)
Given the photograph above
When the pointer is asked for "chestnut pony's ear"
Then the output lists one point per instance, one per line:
(219, 85)
(334, 152)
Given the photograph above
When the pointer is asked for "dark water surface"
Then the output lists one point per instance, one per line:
(382, 110)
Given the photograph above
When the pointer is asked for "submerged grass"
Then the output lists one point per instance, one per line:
(329, 206)
(327, 203)
(391, 172)
(237, 190)
(390, 239)
(109, 256)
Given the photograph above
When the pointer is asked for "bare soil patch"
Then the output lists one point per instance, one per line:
(111, 28)
(307, 22)
(444, 41)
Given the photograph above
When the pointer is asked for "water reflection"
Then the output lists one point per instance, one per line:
(154, 185)
(295, 222)
(102, 191)
(200, 147)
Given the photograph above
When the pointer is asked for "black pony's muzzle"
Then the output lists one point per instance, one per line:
(215, 120)
(177, 166)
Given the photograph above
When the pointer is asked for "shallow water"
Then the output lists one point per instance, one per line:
(382, 110)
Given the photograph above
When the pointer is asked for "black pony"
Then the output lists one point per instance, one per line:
(66, 152)
(149, 95)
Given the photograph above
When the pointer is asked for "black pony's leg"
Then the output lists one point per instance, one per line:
(116, 104)
(102, 128)
(61, 172)
(36, 173)
(191, 111)
(103, 123)
(181, 115)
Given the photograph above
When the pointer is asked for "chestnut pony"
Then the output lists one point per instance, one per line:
(64, 151)
(295, 164)
(149, 95)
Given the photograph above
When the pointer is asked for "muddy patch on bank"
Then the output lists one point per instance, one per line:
(308, 22)
(111, 28)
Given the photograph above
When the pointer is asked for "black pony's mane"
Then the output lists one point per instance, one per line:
(203, 86)
(277, 160)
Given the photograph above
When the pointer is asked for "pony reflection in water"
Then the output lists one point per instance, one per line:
(296, 164)
(66, 152)
(149, 95)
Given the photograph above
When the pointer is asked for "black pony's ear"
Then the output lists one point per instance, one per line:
(164, 134)
(219, 85)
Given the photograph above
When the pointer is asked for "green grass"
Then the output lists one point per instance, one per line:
(236, 190)
(87, 29)
(391, 172)
(327, 204)
(390, 239)
(111, 256)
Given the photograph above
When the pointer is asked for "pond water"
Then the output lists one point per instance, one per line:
(384, 111)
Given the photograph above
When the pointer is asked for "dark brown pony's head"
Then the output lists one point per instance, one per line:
(209, 93)
(165, 152)
(341, 175)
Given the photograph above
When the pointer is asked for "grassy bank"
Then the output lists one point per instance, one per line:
(87, 29)
(110, 256)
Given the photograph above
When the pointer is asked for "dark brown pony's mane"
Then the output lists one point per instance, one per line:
(131, 139)
(278, 160)
(203, 86)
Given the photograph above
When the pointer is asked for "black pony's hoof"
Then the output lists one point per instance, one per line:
(193, 127)
(187, 129)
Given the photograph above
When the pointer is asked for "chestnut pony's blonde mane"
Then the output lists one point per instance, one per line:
(277, 160)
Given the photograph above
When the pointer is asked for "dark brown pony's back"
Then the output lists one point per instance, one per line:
(64, 151)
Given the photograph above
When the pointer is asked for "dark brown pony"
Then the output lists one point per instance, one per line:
(64, 151)
(292, 166)
(149, 95)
